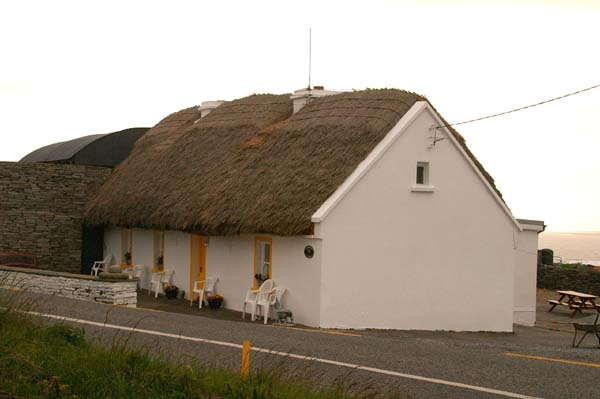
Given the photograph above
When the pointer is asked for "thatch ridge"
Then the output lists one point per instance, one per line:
(249, 166)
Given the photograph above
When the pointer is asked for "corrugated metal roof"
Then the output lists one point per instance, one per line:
(62, 151)
(97, 149)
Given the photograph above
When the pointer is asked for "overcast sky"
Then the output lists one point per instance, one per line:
(69, 69)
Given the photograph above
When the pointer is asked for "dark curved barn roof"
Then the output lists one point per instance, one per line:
(97, 149)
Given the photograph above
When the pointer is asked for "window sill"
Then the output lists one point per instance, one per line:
(421, 188)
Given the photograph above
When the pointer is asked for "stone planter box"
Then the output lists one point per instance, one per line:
(77, 286)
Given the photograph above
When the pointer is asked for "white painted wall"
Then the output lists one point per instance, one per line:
(395, 258)
(177, 258)
(142, 253)
(526, 276)
(112, 244)
(142, 249)
(231, 259)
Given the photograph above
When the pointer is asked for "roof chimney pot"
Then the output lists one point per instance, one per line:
(303, 96)
(207, 106)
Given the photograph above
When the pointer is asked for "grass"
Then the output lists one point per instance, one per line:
(42, 360)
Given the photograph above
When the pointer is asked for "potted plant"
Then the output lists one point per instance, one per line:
(260, 278)
(171, 291)
(215, 301)
(159, 261)
(128, 258)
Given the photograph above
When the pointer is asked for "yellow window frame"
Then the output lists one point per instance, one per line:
(126, 235)
(257, 241)
(155, 267)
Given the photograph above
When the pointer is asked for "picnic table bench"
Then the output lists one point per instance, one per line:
(577, 301)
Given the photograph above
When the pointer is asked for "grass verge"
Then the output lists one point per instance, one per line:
(42, 360)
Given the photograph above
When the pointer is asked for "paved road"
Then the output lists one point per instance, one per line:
(444, 360)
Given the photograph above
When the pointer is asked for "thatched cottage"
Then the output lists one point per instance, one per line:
(369, 215)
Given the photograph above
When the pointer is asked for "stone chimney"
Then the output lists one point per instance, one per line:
(303, 96)
(207, 106)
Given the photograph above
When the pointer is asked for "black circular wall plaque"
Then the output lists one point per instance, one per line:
(309, 251)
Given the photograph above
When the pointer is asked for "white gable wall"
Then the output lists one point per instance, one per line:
(526, 275)
(394, 258)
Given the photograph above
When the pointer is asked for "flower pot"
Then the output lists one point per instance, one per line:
(171, 294)
(215, 303)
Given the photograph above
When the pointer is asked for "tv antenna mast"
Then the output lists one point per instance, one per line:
(309, 55)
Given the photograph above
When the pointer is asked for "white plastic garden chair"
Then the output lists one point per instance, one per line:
(252, 295)
(159, 280)
(266, 300)
(136, 272)
(208, 288)
(100, 265)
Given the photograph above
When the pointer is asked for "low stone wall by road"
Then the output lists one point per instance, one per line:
(120, 292)
(560, 278)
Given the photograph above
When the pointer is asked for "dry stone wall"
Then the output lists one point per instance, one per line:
(585, 279)
(83, 287)
(41, 210)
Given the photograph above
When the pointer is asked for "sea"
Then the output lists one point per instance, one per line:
(572, 247)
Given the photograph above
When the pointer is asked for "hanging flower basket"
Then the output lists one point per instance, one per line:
(215, 301)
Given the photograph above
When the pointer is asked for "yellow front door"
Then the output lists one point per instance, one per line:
(197, 260)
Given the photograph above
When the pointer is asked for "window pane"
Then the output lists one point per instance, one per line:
(267, 250)
(420, 174)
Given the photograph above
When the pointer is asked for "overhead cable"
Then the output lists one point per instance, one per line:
(520, 108)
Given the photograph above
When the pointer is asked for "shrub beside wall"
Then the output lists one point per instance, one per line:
(582, 279)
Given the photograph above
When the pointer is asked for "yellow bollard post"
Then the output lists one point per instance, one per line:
(246, 359)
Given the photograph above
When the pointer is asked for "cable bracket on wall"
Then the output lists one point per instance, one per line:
(435, 137)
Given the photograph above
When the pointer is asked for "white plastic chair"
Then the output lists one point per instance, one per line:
(266, 300)
(252, 296)
(100, 265)
(136, 272)
(159, 280)
(208, 288)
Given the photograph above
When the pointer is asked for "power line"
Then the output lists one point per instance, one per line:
(520, 108)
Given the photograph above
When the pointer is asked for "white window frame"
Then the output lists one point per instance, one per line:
(424, 186)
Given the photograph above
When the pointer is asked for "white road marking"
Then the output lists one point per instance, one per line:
(290, 355)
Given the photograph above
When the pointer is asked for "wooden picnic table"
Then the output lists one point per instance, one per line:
(574, 300)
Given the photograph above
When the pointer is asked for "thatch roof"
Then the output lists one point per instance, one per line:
(250, 166)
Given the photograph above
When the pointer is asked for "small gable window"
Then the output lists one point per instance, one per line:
(423, 173)
(421, 182)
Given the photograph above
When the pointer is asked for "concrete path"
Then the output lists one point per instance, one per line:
(533, 362)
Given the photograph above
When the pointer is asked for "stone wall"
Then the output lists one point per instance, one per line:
(77, 286)
(585, 280)
(41, 210)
